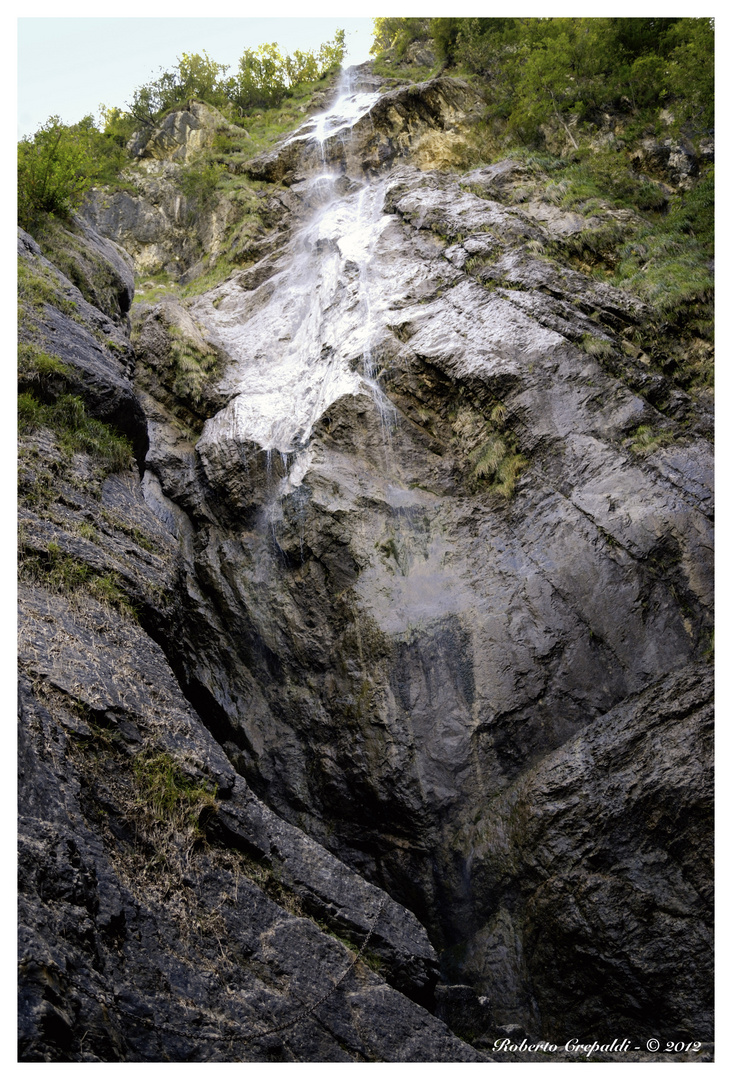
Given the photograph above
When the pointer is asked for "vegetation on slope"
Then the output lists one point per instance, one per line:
(570, 69)
(59, 164)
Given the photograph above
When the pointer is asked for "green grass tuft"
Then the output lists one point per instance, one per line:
(37, 366)
(168, 797)
(193, 366)
(37, 287)
(647, 439)
(597, 347)
(64, 573)
(77, 432)
(489, 449)
(487, 457)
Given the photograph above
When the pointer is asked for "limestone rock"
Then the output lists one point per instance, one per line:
(675, 160)
(176, 363)
(151, 225)
(154, 222)
(103, 882)
(166, 913)
(473, 635)
(419, 52)
(422, 121)
(101, 269)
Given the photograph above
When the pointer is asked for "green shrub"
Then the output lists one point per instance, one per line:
(56, 571)
(495, 461)
(199, 182)
(562, 71)
(607, 175)
(397, 33)
(53, 172)
(692, 213)
(30, 413)
(265, 76)
(667, 268)
(107, 589)
(488, 456)
(58, 164)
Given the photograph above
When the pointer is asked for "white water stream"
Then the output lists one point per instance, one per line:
(299, 339)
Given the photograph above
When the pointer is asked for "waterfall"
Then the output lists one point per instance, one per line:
(304, 338)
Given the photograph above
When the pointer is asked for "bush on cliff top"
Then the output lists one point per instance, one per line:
(264, 78)
(58, 164)
(564, 69)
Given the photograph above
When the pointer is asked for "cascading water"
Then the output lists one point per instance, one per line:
(304, 338)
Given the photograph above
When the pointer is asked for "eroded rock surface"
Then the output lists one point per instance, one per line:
(181, 135)
(608, 841)
(424, 121)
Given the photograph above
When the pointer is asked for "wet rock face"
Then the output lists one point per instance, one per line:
(435, 624)
(482, 631)
(165, 912)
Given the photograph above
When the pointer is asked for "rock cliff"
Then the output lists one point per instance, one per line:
(365, 714)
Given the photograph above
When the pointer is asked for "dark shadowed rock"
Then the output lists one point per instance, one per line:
(105, 879)
(608, 840)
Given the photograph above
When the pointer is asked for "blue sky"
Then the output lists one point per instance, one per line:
(69, 66)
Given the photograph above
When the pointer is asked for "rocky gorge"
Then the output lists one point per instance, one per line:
(365, 697)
